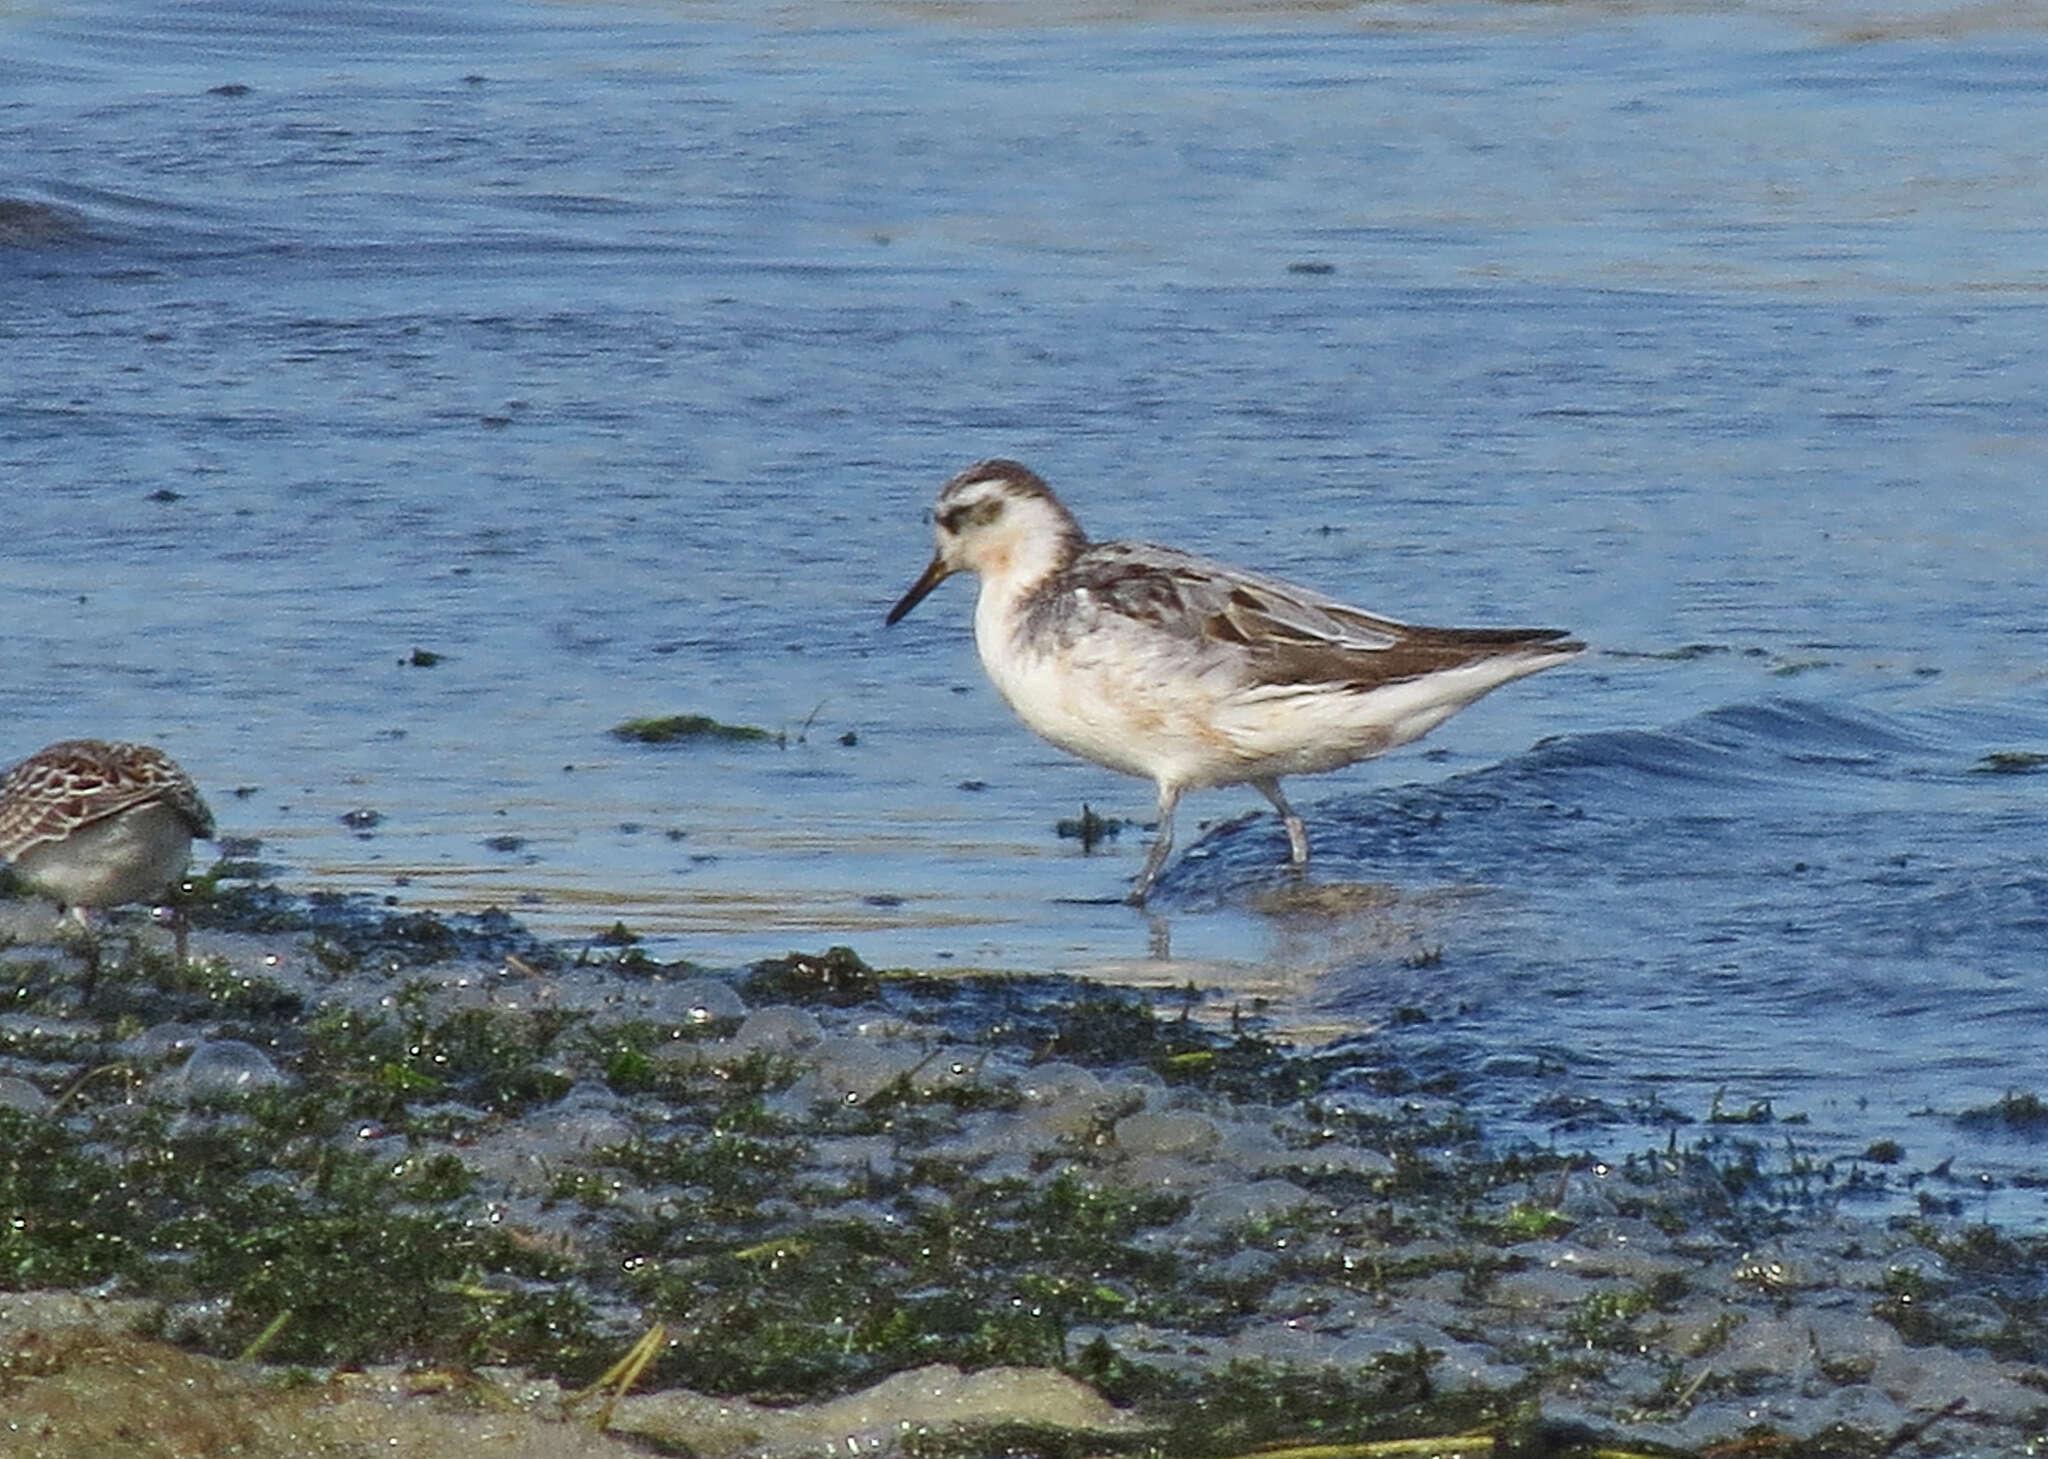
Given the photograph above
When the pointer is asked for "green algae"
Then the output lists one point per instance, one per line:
(668, 729)
(837, 977)
(993, 1274)
(268, 1215)
(2017, 1112)
(274, 1205)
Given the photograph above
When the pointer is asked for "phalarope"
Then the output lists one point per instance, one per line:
(1190, 673)
(95, 824)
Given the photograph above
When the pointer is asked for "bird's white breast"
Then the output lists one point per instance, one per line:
(1102, 688)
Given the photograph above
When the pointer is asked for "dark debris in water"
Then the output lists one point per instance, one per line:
(2012, 762)
(1090, 829)
(1683, 653)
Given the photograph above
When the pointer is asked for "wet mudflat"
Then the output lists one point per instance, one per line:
(957, 1214)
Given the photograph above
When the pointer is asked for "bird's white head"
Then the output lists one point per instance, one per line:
(999, 520)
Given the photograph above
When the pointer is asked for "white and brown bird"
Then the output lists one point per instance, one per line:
(1190, 673)
(95, 823)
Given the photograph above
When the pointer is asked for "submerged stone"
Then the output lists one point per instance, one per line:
(226, 1066)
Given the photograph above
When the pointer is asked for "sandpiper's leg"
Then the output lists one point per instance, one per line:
(1297, 833)
(89, 950)
(1162, 846)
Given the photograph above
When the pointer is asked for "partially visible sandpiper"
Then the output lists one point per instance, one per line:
(93, 824)
(1191, 673)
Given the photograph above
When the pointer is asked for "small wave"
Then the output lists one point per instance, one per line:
(1653, 790)
(1738, 745)
(110, 225)
(26, 223)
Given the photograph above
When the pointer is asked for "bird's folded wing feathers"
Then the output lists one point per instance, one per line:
(1180, 592)
(48, 799)
(1279, 633)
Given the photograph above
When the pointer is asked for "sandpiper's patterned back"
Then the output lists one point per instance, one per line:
(74, 783)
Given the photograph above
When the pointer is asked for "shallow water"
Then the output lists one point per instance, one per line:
(612, 353)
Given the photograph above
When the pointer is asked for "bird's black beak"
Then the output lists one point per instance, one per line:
(933, 575)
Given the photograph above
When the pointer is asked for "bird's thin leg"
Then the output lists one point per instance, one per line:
(1297, 833)
(89, 950)
(1162, 846)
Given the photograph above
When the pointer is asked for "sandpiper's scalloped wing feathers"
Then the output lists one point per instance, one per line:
(74, 783)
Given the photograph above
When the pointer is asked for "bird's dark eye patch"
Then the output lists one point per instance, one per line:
(971, 514)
